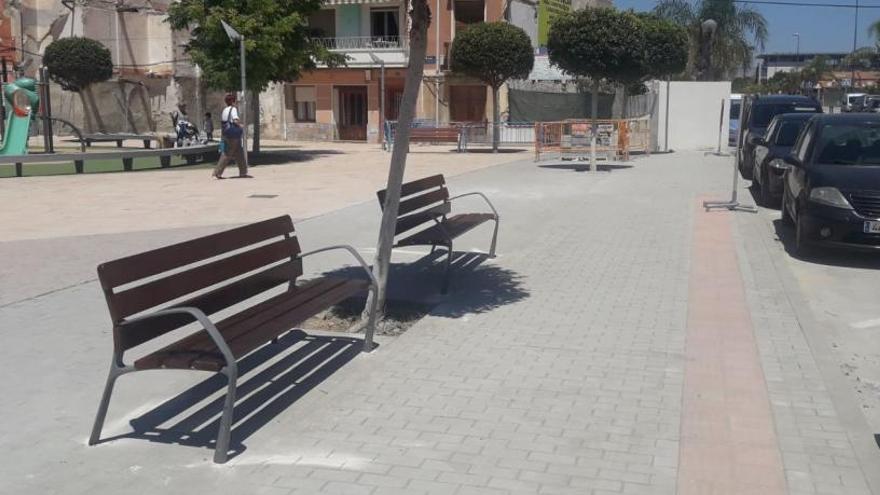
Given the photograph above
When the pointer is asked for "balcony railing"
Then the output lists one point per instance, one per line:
(362, 43)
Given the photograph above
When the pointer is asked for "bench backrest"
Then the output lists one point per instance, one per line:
(259, 256)
(421, 202)
(435, 132)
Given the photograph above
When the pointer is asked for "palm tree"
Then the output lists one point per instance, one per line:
(740, 30)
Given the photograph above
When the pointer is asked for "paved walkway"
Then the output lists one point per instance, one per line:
(624, 341)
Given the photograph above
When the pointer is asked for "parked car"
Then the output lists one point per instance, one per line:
(733, 120)
(831, 190)
(770, 153)
(850, 100)
(757, 113)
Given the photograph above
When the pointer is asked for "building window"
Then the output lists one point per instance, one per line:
(469, 12)
(384, 23)
(322, 24)
(304, 103)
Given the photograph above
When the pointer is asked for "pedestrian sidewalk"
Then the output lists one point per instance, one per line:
(617, 344)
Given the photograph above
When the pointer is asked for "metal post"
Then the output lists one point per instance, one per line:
(666, 118)
(437, 66)
(5, 75)
(48, 138)
(244, 105)
(852, 66)
(382, 101)
(720, 126)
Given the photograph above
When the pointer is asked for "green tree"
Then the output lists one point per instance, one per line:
(815, 72)
(75, 64)
(278, 43)
(863, 58)
(493, 52)
(598, 43)
(665, 53)
(740, 30)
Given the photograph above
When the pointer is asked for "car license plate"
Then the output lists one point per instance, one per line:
(872, 227)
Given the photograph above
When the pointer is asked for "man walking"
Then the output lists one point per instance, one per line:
(232, 147)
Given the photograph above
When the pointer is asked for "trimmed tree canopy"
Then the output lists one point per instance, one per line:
(666, 47)
(600, 43)
(277, 40)
(75, 63)
(493, 52)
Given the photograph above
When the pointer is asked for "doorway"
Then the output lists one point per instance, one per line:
(353, 113)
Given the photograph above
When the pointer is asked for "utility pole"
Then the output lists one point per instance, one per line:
(436, 17)
(852, 66)
(233, 36)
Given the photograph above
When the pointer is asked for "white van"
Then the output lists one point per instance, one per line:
(851, 98)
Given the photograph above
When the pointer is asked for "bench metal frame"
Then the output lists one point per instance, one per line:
(221, 449)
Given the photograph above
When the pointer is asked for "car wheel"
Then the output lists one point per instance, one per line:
(801, 246)
(787, 220)
(767, 199)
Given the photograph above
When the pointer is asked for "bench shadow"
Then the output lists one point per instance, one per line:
(477, 285)
(825, 256)
(299, 362)
(585, 166)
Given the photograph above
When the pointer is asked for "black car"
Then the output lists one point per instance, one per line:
(831, 190)
(757, 112)
(770, 153)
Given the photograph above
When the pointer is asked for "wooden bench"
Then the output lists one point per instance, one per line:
(423, 218)
(259, 257)
(436, 135)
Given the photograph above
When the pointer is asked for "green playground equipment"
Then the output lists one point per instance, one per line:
(22, 102)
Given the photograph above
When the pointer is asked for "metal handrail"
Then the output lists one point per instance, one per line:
(362, 43)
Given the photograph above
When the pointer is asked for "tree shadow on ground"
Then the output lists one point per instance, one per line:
(585, 166)
(820, 255)
(477, 285)
(282, 156)
(297, 363)
(500, 150)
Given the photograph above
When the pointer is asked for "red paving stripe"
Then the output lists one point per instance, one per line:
(728, 440)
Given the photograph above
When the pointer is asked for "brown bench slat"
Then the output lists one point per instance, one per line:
(131, 268)
(414, 203)
(152, 294)
(410, 188)
(201, 342)
(453, 226)
(129, 335)
(246, 331)
(410, 222)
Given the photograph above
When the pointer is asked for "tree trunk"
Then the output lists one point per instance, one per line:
(255, 112)
(594, 126)
(496, 116)
(87, 118)
(418, 42)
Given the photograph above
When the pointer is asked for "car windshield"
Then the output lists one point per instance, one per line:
(789, 131)
(849, 144)
(734, 109)
(765, 113)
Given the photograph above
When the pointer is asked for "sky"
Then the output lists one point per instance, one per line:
(821, 29)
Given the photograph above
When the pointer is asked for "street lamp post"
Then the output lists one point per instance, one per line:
(707, 33)
(236, 36)
(381, 62)
(797, 47)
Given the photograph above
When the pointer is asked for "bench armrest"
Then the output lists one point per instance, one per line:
(206, 323)
(373, 282)
(491, 206)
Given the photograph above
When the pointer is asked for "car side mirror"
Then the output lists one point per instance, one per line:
(756, 141)
(793, 161)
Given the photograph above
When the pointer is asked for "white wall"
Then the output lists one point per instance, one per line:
(694, 114)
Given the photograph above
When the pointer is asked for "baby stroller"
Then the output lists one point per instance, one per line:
(187, 132)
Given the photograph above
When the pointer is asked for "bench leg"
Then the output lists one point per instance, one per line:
(221, 451)
(448, 270)
(116, 370)
(494, 239)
